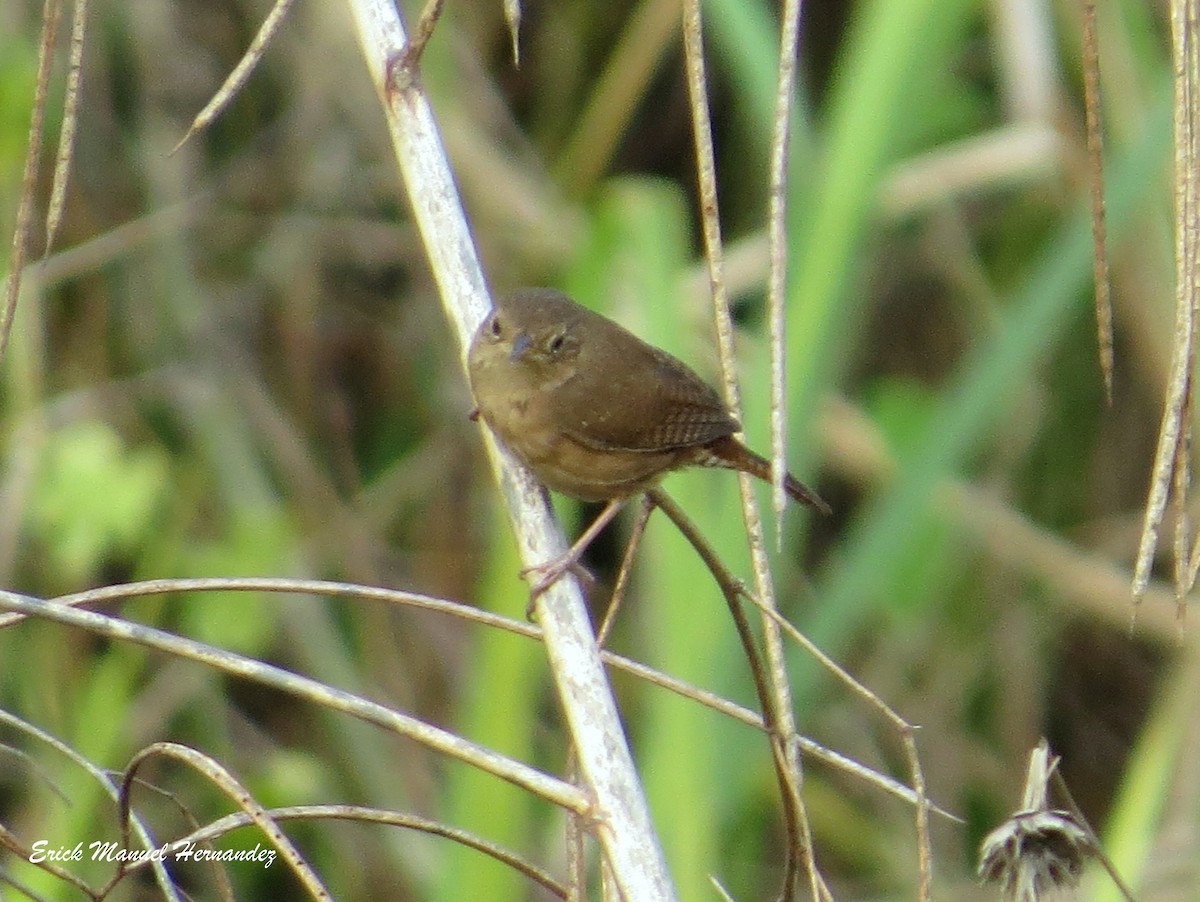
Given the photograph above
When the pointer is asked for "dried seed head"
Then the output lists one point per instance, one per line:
(1038, 849)
(1034, 852)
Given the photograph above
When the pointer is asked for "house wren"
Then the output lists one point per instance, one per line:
(594, 411)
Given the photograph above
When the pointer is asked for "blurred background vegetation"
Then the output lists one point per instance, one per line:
(233, 362)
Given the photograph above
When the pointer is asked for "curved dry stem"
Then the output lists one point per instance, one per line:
(220, 777)
(467, 613)
(363, 815)
(10, 842)
(327, 588)
(165, 884)
(224, 887)
(549, 788)
(317, 587)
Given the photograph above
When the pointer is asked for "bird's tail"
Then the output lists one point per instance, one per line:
(729, 452)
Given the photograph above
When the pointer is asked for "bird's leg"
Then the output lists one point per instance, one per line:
(645, 509)
(543, 576)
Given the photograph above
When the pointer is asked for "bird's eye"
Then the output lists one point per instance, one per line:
(556, 343)
(495, 327)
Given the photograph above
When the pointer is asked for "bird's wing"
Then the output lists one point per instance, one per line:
(653, 403)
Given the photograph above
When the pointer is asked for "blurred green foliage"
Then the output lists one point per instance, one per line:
(95, 500)
(235, 365)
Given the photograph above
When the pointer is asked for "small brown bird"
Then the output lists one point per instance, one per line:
(594, 411)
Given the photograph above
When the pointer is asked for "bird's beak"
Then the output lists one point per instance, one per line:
(519, 346)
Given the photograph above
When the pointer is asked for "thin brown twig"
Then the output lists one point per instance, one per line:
(29, 177)
(1064, 791)
(1191, 226)
(1192, 554)
(123, 591)
(1095, 152)
(625, 570)
(467, 612)
(327, 588)
(799, 839)
(789, 36)
(403, 72)
(904, 729)
(512, 18)
(241, 73)
(638, 670)
(837, 670)
(576, 862)
(731, 588)
(66, 136)
(1181, 490)
(1187, 291)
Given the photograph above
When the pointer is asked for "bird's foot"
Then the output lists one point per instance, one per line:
(547, 574)
(542, 576)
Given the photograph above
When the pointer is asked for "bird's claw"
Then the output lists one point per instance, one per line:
(542, 576)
